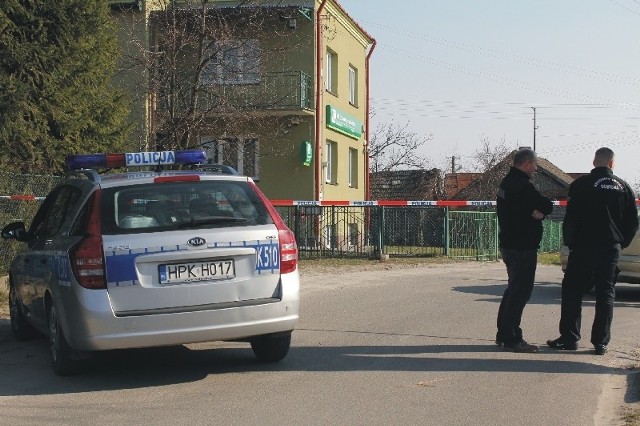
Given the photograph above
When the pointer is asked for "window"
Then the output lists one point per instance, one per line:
(240, 153)
(331, 156)
(330, 237)
(353, 86)
(353, 234)
(232, 62)
(52, 214)
(331, 79)
(353, 168)
(181, 205)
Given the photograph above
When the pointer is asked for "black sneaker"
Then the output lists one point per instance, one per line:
(521, 347)
(562, 345)
(498, 339)
(601, 349)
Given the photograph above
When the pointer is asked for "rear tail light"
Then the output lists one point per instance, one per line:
(286, 238)
(87, 259)
(288, 250)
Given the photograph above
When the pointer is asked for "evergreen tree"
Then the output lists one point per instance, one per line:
(57, 59)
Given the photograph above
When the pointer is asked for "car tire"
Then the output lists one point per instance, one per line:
(271, 347)
(21, 329)
(61, 353)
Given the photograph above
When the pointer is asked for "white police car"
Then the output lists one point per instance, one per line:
(153, 258)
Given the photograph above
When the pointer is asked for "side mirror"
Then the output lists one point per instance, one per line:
(14, 230)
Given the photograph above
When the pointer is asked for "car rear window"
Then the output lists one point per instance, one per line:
(181, 205)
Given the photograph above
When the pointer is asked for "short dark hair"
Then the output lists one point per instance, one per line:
(523, 155)
(603, 156)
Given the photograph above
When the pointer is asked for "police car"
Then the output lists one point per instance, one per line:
(152, 258)
(629, 263)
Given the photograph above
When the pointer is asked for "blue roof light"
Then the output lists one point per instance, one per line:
(135, 159)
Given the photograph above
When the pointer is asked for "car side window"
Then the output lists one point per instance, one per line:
(50, 218)
(79, 225)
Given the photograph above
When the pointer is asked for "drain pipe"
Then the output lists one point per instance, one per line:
(367, 189)
(319, 112)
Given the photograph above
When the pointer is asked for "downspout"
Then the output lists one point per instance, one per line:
(367, 188)
(319, 112)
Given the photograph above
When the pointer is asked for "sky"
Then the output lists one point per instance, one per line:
(467, 70)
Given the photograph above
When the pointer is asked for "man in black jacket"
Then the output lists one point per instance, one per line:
(521, 209)
(601, 219)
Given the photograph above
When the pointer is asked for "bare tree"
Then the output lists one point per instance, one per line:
(489, 154)
(491, 161)
(394, 147)
(211, 70)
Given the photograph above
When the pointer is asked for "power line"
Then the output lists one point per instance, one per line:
(589, 145)
(514, 57)
(507, 81)
(491, 103)
(625, 7)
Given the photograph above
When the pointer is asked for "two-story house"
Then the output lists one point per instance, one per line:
(276, 89)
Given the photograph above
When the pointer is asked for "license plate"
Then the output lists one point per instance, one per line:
(197, 271)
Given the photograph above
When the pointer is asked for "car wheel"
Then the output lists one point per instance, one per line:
(21, 329)
(271, 348)
(61, 353)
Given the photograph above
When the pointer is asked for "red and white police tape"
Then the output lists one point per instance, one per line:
(342, 203)
(21, 197)
(398, 203)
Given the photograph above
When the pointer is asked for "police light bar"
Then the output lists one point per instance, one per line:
(135, 159)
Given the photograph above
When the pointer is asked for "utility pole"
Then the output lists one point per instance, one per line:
(534, 128)
(453, 164)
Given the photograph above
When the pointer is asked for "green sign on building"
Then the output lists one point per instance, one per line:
(343, 123)
(307, 153)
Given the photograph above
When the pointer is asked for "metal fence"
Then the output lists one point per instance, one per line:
(366, 231)
(18, 201)
(418, 231)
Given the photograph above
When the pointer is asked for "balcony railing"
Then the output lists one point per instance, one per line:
(281, 91)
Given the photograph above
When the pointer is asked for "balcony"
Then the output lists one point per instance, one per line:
(272, 92)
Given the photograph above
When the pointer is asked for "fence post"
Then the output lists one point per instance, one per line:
(381, 231)
(296, 222)
(447, 242)
(495, 236)
(479, 240)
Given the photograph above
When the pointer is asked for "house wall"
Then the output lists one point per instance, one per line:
(342, 37)
(280, 133)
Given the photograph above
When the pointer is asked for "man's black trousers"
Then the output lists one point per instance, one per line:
(588, 267)
(521, 270)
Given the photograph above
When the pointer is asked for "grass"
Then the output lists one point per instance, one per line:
(549, 258)
(631, 416)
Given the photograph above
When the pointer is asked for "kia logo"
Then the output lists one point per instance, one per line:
(196, 241)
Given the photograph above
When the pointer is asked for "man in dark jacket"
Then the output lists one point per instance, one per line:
(521, 209)
(601, 219)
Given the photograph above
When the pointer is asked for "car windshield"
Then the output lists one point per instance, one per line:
(181, 205)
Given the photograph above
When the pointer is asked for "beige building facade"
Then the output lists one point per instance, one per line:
(295, 110)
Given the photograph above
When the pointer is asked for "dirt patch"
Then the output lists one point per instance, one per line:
(4, 297)
(342, 265)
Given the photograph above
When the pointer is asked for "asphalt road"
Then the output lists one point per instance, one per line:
(384, 346)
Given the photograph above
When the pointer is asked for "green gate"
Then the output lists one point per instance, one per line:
(472, 235)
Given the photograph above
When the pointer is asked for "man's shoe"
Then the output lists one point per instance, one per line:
(498, 339)
(521, 347)
(562, 345)
(601, 349)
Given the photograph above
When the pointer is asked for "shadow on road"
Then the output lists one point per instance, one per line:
(26, 370)
(633, 389)
(547, 293)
